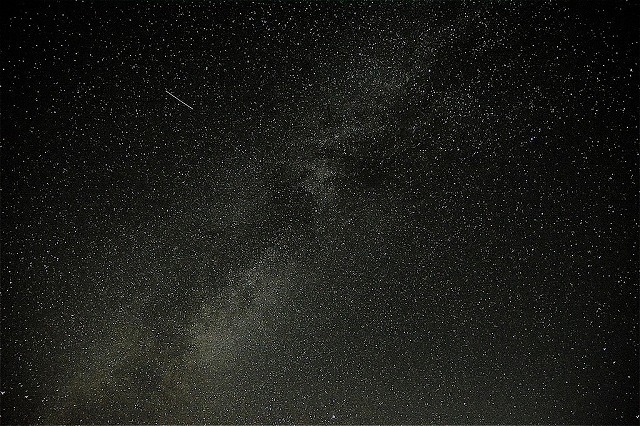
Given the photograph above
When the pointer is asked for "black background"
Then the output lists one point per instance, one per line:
(374, 212)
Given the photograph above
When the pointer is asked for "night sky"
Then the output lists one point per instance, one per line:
(335, 212)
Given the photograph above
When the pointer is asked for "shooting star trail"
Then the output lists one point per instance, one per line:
(178, 99)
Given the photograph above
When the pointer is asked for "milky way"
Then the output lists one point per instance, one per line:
(345, 213)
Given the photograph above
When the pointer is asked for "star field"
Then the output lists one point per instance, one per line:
(320, 212)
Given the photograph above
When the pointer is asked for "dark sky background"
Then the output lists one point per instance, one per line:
(374, 212)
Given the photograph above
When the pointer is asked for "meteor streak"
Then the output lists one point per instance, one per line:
(178, 99)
